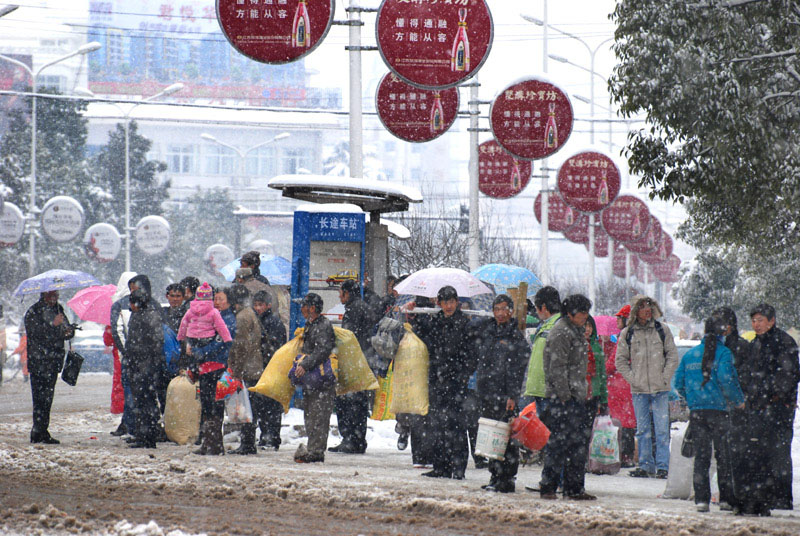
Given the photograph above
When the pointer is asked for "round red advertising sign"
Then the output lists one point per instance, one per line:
(667, 271)
(500, 175)
(661, 253)
(531, 119)
(275, 31)
(600, 242)
(560, 215)
(589, 181)
(626, 219)
(618, 260)
(578, 233)
(650, 240)
(414, 114)
(434, 44)
(644, 273)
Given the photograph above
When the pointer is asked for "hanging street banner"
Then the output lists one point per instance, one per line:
(626, 219)
(560, 215)
(434, 44)
(589, 181)
(12, 225)
(500, 175)
(578, 233)
(667, 271)
(618, 260)
(62, 218)
(531, 119)
(414, 114)
(102, 243)
(600, 242)
(661, 253)
(152, 235)
(275, 31)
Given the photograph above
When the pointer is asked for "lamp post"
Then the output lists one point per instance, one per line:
(84, 49)
(7, 9)
(126, 115)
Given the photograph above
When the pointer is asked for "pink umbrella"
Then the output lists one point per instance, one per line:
(606, 325)
(93, 304)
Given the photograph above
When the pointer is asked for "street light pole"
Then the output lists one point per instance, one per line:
(84, 49)
(7, 9)
(126, 116)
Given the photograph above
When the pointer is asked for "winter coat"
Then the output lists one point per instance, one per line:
(565, 361)
(502, 355)
(319, 342)
(451, 350)
(174, 315)
(597, 377)
(46, 341)
(255, 284)
(721, 392)
(535, 385)
(273, 335)
(647, 363)
(144, 348)
(217, 350)
(120, 312)
(245, 359)
(620, 401)
(740, 348)
(358, 319)
(201, 321)
(772, 371)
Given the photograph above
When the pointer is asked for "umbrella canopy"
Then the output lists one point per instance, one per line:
(479, 302)
(427, 283)
(606, 325)
(55, 280)
(274, 267)
(505, 276)
(93, 304)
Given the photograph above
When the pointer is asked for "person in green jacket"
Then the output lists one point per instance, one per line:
(548, 308)
(597, 396)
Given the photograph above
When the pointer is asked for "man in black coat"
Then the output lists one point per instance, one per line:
(352, 409)
(268, 411)
(144, 349)
(769, 381)
(47, 329)
(502, 357)
(451, 349)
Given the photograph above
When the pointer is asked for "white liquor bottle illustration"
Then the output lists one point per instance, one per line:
(516, 176)
(637, 224)
(459, 59)
(437, 113)
(569, 216)
(300, 27)
(550, 130)
(602, 195)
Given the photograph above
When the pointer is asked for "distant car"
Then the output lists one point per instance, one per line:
(341, 277)
(88, 342)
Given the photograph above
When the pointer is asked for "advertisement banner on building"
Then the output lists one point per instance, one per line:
(500, 175)
(414, 114)
(13, 78)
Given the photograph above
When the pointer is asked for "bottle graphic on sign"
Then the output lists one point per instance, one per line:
(637, 224)
(516, 176)
(300, 26)
(650, 238)
(569, 216)
(602, 195)
(550, 130)
(437, 113)
(459, 60)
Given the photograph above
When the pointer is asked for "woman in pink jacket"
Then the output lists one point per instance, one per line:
(620, 401)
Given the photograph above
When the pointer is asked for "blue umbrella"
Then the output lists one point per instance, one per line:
(55, 280)
(274, 267)
(505, 276)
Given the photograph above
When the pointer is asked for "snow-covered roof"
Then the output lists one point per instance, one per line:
(397, 230)
(330, 207)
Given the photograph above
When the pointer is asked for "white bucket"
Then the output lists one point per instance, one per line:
(492, 438)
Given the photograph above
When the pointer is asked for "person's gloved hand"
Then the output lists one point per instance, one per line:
(602, 409)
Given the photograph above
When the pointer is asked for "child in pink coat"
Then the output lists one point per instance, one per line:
(202, 322)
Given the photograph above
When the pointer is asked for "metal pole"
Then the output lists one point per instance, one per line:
(544, 261)
(474, 231)
(356, 133)
(32, 207)
(592, 290)
(627, 275)
(128, 193)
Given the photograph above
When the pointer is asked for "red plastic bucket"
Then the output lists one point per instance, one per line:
(529, 430)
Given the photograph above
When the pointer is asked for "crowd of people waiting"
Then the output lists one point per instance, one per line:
(741, 395)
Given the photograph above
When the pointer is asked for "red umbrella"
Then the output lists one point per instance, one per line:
(93, 304)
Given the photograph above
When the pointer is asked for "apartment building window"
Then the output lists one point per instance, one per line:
(181, 158)
(115, 50)
(220, 160)
(52, 81)
(262, 162)
(293, 160)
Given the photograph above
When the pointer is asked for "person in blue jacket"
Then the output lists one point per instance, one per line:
(707, 379)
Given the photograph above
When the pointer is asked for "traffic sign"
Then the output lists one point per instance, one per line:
(531, 119)
(500, 175)
(414, 114)
(433, 44)
(589, 181)
(275, 31)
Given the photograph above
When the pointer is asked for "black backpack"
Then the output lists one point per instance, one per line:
(659, 329)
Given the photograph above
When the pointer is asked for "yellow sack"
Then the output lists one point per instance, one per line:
(274, 381)
(383, 399)
(182, 411)
(410, 378)
(354, 373)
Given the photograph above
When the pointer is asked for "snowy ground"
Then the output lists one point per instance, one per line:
(93, 484)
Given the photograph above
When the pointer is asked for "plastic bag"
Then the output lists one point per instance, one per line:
(237, 406)
(182, 411)
(353, 372)
(383, 399)
(604, 447)
(410, 377)
(274, 381)
(227, 385)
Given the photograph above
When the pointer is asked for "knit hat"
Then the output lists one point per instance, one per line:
(204, 292)
(625, 312)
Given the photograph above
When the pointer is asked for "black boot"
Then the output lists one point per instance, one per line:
(120, 431)
(247, 443)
